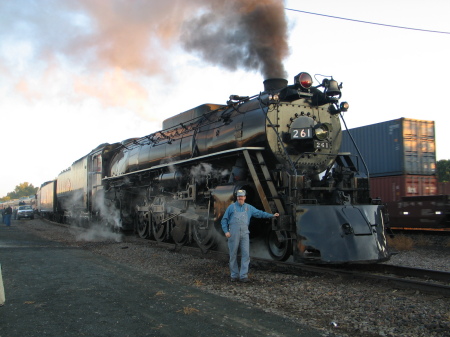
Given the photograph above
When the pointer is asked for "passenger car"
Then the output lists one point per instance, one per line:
(25, 212)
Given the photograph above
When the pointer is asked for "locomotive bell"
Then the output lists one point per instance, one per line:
(331, 87)
(275, 84)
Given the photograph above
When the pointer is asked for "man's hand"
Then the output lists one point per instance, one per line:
(228, 234)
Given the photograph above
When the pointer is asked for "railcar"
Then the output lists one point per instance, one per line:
(78, 192)
(421, 213)
(46, 200)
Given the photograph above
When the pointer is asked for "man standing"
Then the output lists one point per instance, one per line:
(8, 213)
(235, 223)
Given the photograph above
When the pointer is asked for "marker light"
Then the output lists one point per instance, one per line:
(344, 106)
(274, 97)
(304, 80)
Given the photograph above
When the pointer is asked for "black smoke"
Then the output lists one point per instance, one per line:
(247, 34)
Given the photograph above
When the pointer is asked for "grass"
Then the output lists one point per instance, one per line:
(400, 242)
(407, 242)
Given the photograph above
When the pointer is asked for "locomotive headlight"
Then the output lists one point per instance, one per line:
(304, 80)
(321, 131)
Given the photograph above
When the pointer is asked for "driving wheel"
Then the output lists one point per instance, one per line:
(159, 229)
(279, 245)
(179, 232)
(143, 225)
(205, 235)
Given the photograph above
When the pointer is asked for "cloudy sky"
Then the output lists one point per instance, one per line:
(78, 73)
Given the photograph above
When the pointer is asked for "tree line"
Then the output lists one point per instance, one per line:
(443, 170)
(22, 190)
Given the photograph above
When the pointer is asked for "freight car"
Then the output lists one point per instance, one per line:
(46, 200)
(423, 213)
(281, 146)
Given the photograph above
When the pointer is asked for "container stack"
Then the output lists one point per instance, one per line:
(399, 155)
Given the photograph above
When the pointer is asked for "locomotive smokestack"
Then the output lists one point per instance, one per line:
(275, 84)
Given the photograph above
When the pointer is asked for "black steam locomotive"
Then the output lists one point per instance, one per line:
(281, 146)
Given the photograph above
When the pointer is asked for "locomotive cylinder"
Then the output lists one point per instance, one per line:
(171, 179)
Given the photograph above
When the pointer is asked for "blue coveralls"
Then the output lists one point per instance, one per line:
(236, 220)
(7, 218)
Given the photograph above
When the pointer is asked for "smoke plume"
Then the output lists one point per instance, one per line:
(139, 36)
(235, 34)
(248, 34)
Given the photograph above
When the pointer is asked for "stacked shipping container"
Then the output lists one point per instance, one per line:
(393, 188)
(400, 156)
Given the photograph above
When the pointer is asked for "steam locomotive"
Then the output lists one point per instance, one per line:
(280, 145)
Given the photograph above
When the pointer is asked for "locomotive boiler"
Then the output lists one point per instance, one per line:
(280, 145)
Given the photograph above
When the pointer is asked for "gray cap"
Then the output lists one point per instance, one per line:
(240, 193)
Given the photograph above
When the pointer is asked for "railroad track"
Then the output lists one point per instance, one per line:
(424, 280)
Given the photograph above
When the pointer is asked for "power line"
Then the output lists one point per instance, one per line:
(368, 22)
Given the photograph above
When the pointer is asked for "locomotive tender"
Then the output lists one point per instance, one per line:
(281, 146)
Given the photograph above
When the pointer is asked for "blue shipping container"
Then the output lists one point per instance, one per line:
(396, 147)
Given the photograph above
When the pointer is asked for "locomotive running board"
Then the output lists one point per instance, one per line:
(184, 161)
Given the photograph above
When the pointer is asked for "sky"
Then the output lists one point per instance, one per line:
(78, 73)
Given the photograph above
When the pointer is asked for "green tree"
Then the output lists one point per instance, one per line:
(23, 190)
(443, 170)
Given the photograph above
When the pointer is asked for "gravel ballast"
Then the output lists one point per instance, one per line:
(338, 306)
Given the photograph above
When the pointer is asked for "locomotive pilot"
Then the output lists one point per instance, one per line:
(235, 224)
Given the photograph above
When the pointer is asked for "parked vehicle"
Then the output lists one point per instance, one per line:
(25, 212)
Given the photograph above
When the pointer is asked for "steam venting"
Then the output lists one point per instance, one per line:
(205, 171)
